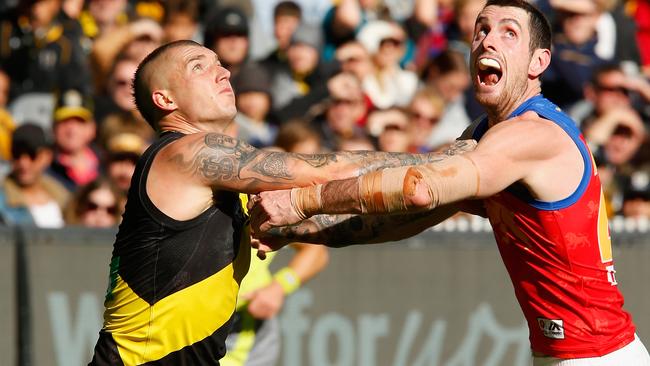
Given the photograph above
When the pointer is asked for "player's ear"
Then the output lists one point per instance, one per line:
(539, 62)
(163, 100)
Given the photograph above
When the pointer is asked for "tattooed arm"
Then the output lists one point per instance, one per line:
(223, 162)
(344, 230)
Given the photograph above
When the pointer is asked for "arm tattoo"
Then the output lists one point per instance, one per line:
(343, 230)
(226, 160)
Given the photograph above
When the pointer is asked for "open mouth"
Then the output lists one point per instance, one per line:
(489, 71)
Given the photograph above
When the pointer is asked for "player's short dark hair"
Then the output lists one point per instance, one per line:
(288, 8)
(141, 91)
(541, 35)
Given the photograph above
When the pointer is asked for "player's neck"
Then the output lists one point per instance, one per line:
(189, 127)
(502, 111)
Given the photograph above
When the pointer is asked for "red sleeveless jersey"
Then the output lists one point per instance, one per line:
(559, 258)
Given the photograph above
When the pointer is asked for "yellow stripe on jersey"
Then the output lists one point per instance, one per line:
(150, 332)
(145, 333)
(604, 239)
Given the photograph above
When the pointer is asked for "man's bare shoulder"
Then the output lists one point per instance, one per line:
(173, 179)
(526, 133)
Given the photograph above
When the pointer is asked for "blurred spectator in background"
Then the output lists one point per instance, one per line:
(287, 16)
(448, 74)
(226, 33)
(390, 85)
(40, 52)
(303, 84)
(425, 111)
(344, 110)
(132, 40)
(72, 8)
(123, 152)
(102, 17)
(255, 337)
(636, 195)
(253, 90)
(574, 51)
(181, 21)
(614, 30)
(617, 138)
(610, 89)
(119, 111)
(430, 42)
(28, 196)
(354, 58)
(391, 129)
(75, 162)
(95, 205)
(639, 11)
(299, 137)
(7, 124)
(461, 35)
(360, 143)
(344, 19)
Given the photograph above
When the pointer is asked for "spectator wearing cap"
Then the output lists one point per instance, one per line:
(28, 196)
(227, 34)
(287, 16)
(252, 87)
(390, 85)
(303, 84)
(75, 162)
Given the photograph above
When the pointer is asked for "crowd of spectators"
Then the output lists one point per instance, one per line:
(360, 75)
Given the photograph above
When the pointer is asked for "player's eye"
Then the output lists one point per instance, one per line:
(197, 67)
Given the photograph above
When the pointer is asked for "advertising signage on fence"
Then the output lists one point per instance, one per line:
(436, 299)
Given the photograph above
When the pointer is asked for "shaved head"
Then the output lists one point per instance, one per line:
(149, 76)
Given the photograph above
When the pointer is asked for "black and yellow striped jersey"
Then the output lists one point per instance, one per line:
(173, 284)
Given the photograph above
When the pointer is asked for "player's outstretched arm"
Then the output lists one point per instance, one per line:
(524, 149)
(343, 230)
(223, 162)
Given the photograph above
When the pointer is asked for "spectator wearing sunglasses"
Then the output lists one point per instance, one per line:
(610, 89)
(95, 205)
(425, 111)
(28, 196)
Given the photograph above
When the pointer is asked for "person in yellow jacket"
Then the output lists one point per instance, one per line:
(254, 339)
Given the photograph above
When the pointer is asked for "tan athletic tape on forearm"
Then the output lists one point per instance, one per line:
(451, 180)
(385, 191)
(307, 201)
(371, 197)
